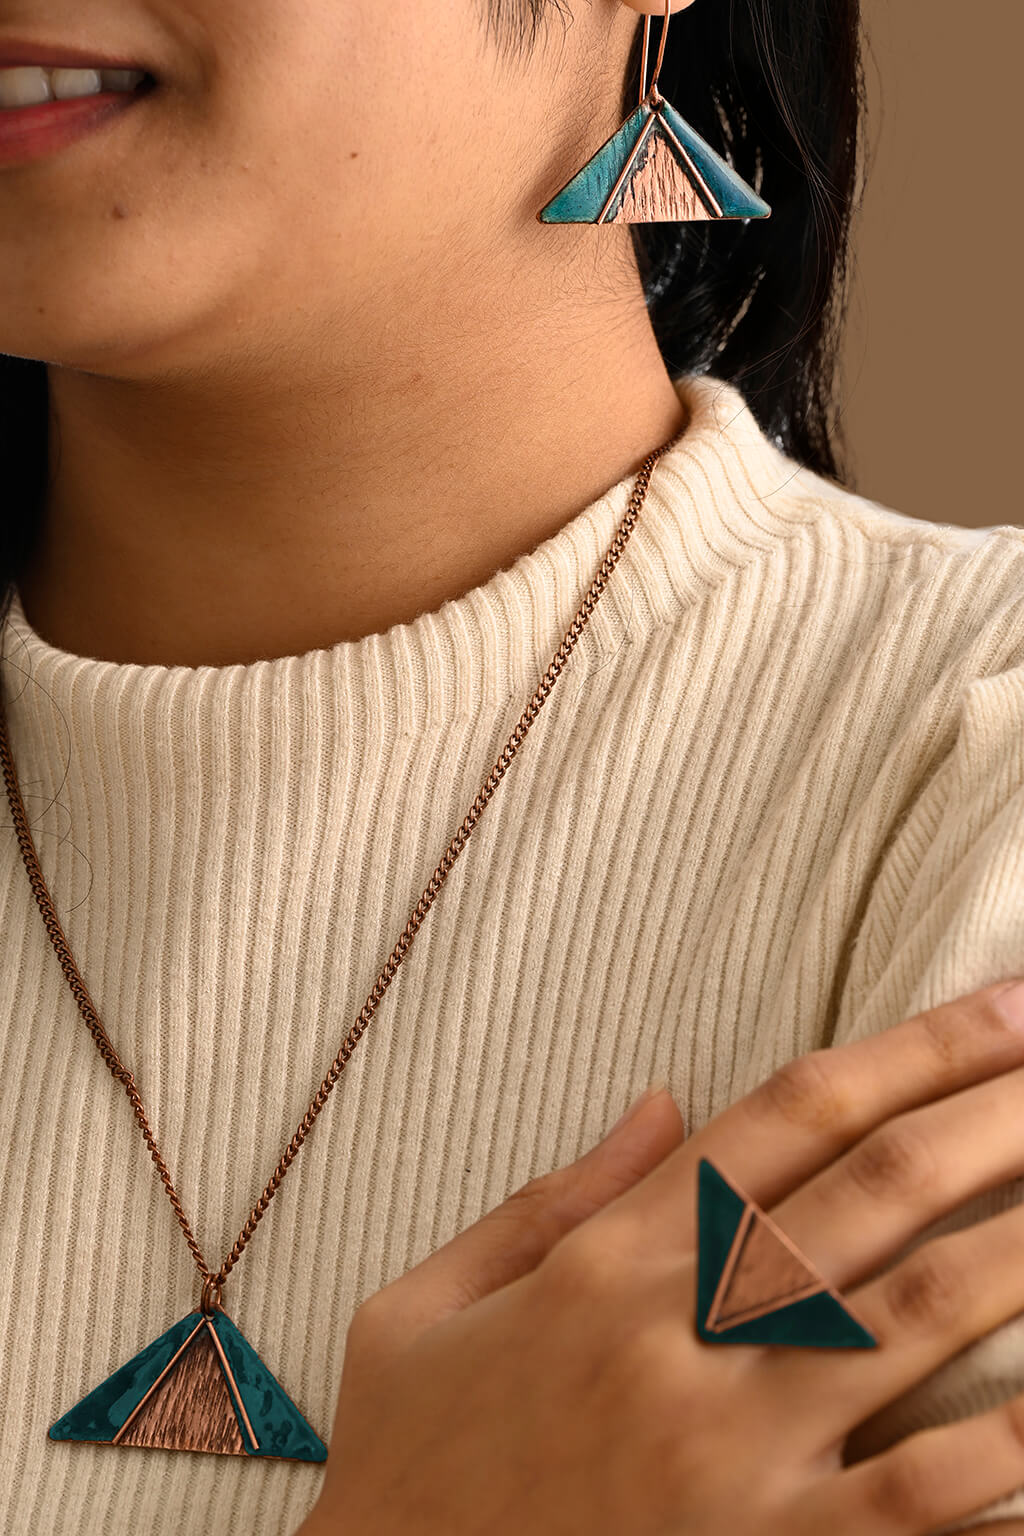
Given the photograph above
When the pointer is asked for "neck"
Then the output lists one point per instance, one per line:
(256, 509)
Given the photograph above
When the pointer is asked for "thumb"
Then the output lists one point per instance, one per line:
(511, 1240)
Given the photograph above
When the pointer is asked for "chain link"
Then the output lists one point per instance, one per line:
(213, 1282)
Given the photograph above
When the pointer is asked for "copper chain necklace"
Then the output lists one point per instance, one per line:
(201, 1386)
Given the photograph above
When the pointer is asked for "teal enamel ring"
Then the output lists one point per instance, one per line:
(754, 1286)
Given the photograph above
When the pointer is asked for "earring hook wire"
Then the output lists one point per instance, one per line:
(661, 51)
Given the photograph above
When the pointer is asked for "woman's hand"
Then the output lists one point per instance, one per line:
(542, 1373)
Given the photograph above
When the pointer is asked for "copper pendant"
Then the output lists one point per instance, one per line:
(198, 1387)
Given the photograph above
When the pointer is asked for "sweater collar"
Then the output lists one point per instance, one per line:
(720, 495)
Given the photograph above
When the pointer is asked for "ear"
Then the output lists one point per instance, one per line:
(656, 7)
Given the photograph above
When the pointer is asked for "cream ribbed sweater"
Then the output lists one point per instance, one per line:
(775, 800)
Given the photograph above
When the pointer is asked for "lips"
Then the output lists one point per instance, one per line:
(54, 56)
(28, 133)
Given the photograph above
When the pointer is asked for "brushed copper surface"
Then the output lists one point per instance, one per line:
(233, 1384)
(764, 1271)
(714, 207)
(659, 189)
(158, 1383)
(192, 1410)
(630, 161)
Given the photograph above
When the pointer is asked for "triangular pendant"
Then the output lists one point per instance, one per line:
(754, 1286)
(654, 168)
(198, 1387)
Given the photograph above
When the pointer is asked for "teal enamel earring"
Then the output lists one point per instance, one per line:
(654, 168)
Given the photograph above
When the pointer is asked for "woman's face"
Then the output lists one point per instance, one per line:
(312, 168)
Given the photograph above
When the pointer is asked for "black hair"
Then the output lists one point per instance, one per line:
(24, 429)
(776, 87)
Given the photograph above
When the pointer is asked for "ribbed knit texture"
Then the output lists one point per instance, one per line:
(775, 801)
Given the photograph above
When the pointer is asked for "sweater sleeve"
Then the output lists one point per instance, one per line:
(946, 916)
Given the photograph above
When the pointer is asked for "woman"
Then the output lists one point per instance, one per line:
(316, 438)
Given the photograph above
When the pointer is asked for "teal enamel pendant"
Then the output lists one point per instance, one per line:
(655, 167)
(754, 1286)
(198, 1387)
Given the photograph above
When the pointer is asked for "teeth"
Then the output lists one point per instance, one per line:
(121, 79)
(66, 83)
(28, 85)
(24, 87)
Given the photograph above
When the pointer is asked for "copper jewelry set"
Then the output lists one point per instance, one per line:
(201, 1386)
(754, 1286)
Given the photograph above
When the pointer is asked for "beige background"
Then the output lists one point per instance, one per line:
(933, 369)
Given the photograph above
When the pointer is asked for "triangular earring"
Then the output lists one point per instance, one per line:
(754, 1286)
(652, 169)
(198, 1387)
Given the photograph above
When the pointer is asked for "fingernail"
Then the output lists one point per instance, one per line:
(1010, 1002)
(658, 1086)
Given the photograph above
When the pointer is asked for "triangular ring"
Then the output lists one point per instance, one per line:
(754, 1286)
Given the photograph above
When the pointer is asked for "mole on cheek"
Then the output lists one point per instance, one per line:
(353, 155)
(118, 212)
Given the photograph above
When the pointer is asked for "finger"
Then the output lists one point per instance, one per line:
(815, 1107)
(932, 1304)
(927, 1480)
(856, 1214)
(509, 1241)
(996, 1528)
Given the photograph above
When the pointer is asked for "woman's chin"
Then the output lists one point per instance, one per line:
(96, 329)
